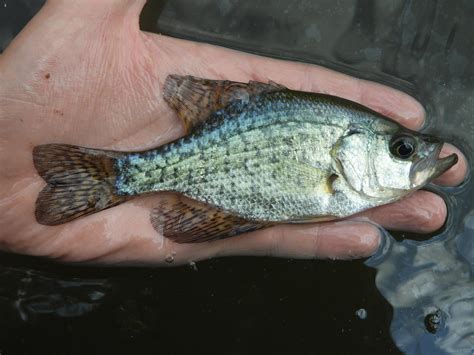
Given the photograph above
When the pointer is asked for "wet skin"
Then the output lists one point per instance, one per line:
(85, 74)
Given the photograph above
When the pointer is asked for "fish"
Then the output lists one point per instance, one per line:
(255, 155)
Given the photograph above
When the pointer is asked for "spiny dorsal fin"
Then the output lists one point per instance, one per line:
(188, 221)
(194, 99)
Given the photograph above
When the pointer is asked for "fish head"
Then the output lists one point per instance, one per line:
(388, 162)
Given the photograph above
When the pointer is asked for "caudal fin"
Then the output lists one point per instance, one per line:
(80, 182)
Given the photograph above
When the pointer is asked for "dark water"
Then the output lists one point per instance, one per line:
(262, 305)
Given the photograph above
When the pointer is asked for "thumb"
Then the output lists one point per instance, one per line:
(59, 18)
(97, 10)
(60, 23)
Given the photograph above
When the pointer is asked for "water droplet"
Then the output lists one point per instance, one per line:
(170, 257)
(361, 313)
(193, 266)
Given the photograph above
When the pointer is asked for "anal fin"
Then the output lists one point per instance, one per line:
(184, 220)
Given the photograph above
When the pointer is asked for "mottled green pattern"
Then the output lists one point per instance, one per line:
(271, 159)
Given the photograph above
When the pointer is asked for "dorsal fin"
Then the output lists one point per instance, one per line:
(194, 99)
(184, 220)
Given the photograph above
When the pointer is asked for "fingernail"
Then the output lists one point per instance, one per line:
(350, 240)
(382, 251)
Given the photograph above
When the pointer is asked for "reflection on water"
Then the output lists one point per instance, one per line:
(423, 47)
(465, 240)
(33, 294)
(432, 292)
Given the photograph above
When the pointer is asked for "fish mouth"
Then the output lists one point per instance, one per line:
(441, 165)
(444, 164)
(430, 167)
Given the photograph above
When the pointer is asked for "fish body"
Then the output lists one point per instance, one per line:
(257, 154)
(267, 159)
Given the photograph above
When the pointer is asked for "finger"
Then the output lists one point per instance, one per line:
(456, 174)
(388, 101)
(339, 240)
(392, 103)
(233, 65)
(422, 212)
(63, 19)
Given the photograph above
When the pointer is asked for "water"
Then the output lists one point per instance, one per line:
(417, 293)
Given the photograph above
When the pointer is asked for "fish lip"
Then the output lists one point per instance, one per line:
(437, 165)
(444, 164)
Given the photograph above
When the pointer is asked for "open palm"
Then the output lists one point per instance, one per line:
(83, 73)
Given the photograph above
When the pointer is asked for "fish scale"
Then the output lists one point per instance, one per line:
(273, 130)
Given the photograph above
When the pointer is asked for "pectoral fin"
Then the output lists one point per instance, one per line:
(188, 221)
(194, 99)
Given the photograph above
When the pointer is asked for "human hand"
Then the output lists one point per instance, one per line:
(82, 73)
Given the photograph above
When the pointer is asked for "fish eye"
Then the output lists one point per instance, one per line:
(403, 147)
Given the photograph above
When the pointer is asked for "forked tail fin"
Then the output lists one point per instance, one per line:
(81, 181)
